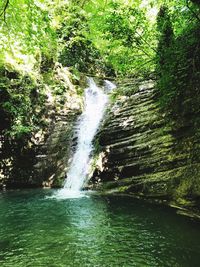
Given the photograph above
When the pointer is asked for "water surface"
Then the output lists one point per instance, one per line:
(38, 230)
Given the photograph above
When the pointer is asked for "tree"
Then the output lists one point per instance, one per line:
(165, 38)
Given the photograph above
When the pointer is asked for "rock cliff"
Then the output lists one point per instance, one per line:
(141, 152)
(40, 158)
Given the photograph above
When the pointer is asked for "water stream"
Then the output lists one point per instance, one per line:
(94, 106)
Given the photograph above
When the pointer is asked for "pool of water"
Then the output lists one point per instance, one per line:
(37, 229)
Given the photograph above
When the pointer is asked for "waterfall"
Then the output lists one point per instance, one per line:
(94, 106)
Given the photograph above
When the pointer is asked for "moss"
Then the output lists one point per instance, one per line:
(190, 183)
(183, 202)
(123, 189)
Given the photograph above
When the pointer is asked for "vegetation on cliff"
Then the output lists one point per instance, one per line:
(178, 60)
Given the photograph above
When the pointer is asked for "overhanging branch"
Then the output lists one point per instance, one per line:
(3, 13)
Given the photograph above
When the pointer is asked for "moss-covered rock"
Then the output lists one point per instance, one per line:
(146, 154)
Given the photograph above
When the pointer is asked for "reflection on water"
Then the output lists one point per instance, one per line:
(38, 230)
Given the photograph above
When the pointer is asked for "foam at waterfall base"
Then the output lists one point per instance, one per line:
(68, 194)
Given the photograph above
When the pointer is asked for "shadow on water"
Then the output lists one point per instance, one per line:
(37, 229)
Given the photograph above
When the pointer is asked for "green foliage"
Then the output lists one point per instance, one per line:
(26, 34)
(22, 104)
(76, 49)
(178, 64)
(21, 116)
(124, 36)
(164, 56)
(164, 27)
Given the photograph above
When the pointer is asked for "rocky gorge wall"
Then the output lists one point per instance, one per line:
(141, 152)
(41, 160)
(53, 155)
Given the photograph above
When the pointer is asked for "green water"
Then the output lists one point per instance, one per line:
(36, 230)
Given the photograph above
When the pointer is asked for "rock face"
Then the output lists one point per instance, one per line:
(54, 154)
(140, 152)
(41, 159)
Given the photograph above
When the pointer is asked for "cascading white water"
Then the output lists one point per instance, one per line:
(94, 106)
(109, 86)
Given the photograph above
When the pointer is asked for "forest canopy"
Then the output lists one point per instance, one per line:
(120, 37)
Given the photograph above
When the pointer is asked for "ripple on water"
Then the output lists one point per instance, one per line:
(39, 230)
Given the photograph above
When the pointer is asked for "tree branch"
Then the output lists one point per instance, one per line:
(192, 11)
(3, 13)
(145, 41)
